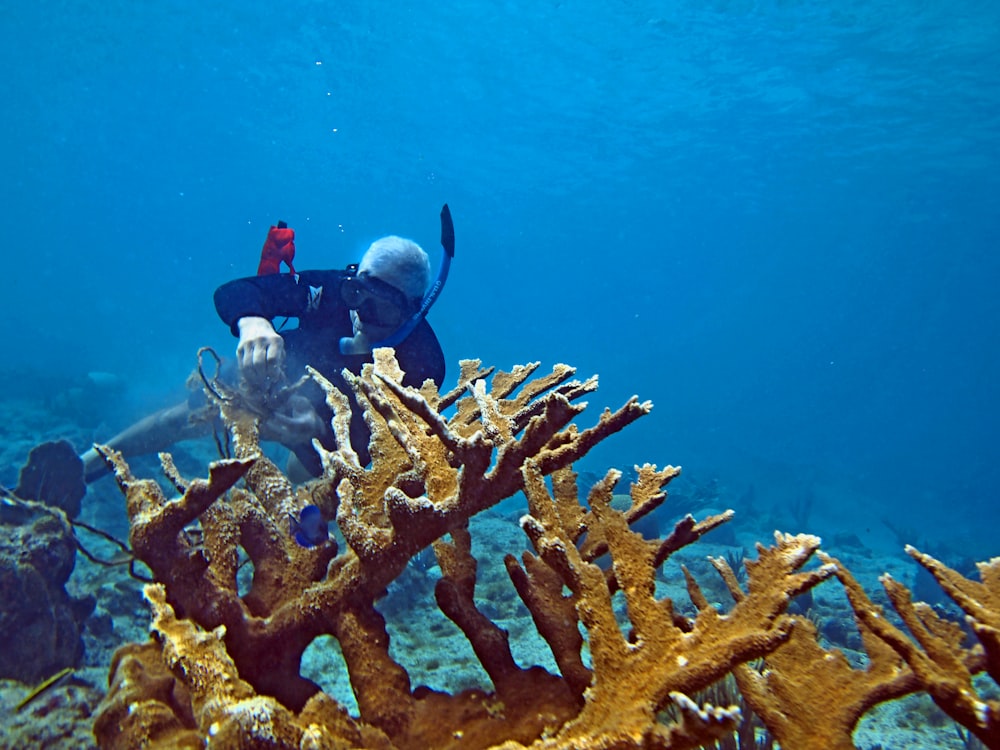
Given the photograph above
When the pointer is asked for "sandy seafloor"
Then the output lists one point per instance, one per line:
(424, 641)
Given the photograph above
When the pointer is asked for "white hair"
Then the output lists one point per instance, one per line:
(399, 262)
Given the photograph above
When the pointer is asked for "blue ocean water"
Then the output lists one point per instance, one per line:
(777, 220)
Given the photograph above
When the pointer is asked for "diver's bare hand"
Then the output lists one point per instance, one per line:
(260, 352)
(297, 423)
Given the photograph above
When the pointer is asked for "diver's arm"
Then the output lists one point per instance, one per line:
(260, 297)
(275, 295)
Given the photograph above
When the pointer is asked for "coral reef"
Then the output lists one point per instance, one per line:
(224, 662)
(39, 621)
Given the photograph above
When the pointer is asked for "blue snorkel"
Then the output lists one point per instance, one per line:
(406, 328)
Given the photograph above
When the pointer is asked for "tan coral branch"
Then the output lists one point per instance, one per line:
(942, 665)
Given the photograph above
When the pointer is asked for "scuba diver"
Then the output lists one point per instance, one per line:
(342, 316)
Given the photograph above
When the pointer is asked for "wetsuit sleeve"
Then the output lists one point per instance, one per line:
(274, 295)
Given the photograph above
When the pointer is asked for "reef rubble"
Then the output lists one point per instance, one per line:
(222, 667)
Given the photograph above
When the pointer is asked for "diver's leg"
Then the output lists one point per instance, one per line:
(154, 433)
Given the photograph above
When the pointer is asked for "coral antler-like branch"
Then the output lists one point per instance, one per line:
(782, 691)
(663, 656)
(942, 665)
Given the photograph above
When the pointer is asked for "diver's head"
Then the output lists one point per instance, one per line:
(399, 262)
(389, 287)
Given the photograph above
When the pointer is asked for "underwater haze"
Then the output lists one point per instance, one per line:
(778, 221)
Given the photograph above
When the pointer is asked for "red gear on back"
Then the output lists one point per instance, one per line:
(279, 247)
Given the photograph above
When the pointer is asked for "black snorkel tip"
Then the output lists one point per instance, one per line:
(447, 232)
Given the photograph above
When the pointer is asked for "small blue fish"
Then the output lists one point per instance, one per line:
(310, 529)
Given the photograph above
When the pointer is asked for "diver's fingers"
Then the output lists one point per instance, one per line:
(261, 358)
(253, 360)
(244, 355)
(258, 360)
(275, 357)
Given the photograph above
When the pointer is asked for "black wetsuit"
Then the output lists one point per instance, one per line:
(313, 297)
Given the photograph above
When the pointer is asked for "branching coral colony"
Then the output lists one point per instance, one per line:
(222, 668)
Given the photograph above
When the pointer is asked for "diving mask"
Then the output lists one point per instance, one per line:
(375, 301)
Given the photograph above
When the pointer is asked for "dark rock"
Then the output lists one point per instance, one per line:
(53, 475)
(39, 621)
